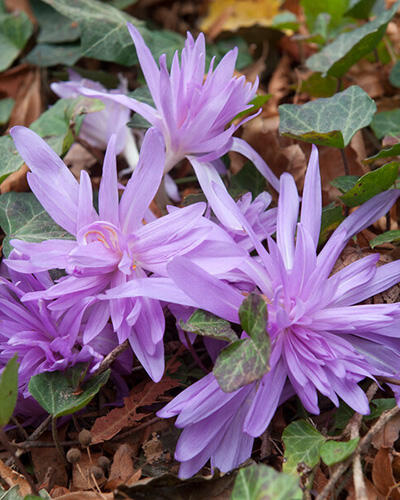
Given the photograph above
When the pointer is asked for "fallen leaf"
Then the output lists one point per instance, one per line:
(82, 476)
(78, 158)
(153, 449)
(108, 426)
(16, 181)
(279, 85)
(388, 435)
(13, 478)
(86, 495)
(122, 467)
(230, 15)
(382, 475)
(43, 458)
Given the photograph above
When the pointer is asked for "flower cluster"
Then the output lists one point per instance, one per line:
(122, 266)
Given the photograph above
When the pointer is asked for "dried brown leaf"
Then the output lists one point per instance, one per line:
(43, 458)
(153, 449)
(82, 477)
(13, 478)
(86, 495)
(16, 181)
(146, 394)
(382, 475)
(122, 467)
(388, 435)
(28, 100)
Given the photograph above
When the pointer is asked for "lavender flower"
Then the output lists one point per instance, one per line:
(321, 341)
(43, 340)
(97, 128)
(193, 111)
(115, 246)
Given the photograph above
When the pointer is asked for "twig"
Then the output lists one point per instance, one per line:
(345, 163)
(27, 445)
(8, 446)
(137, 429)
(194, 354)
(362, 446)
(388, 380)
(23, 432)
(40, 430)
(111, 357)
(56, 441)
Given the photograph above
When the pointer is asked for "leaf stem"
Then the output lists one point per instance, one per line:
(56, 440)
(345, 163)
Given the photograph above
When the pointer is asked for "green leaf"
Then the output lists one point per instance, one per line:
(253, 317)
(317, 85)
(378, 406)
(10, 161)
(260, 482)
(333, 452)
(54, 27)
(387, 237)
(247, 179)
(394, 76)
(8, 390)
(384, 153)
(105, 35)
(285, 20)
(6, 106)
(246, 360)
(221, 47)
(24, 218)
(345, 182)
(58, 395)
(386, 123)
(207, 324)
(330, 121)
(257, 103)
(11, 494)
(15, 31)
(302, 444)
(334, 8)
(142, 94)
(371, 184)
(343, 415)
(360, 9)
(332, 216)
(348, 48)
(45, 55)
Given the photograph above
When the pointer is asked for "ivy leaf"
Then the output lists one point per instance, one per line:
(330, 121)
(378, 406)
(386, 123)
(333, 452)
(247, 179)
(260, 482)
(317, 85)
(8, 390)
(334, 8)
(257, 103)
(104, 33)
(331, 217)
(386, 237)
(24, 218)
(54, 27)
(142, 94)
(371, 184)
(336, 58)
(360, 9)
(58, 395)
(10, 161)
(15, 31)
(246, 360)
(6, 106)
(285, 20)
(207, 324)
(45, 55)
(384, 153)
(345, 182)
(394, 76)
(302, 444)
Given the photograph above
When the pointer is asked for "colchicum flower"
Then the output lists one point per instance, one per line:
(193, 111)
(320, 340)
(97, 128)
(114, 246)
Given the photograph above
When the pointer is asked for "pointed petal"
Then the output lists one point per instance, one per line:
(288, 211)
(108, 192)
(311, 206)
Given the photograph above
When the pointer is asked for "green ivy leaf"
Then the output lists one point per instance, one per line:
(378, 406)
(24, 218)
(54, 27)
(302, 444)
(386, 123)
(336, 58)
(10, 161)
(6, 107)
(360, 9)
(330, 121)
(104, 33)
(257, 103)
(333, 452)
(246, 360)
(260, 482)
(331, 217)
(58, 395)
(8, 390)
(334, 8)
(207, 324)
(247, 179)
(317, 85)
(285, 20)
(45, 55)
(15, 31)
(384, 153)
(387, 237)
(371, 184)
(394, 76)
(142, 94)
(345, 182)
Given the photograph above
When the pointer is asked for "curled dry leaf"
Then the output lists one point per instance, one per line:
(82, 476)
(28, 100)
(388, 435)
(122, 467)
(146, 394)
(86, 495)
(153, 449)
(16, 181)
(382, 475)
(13, 478)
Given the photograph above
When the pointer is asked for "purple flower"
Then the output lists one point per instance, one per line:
(115, 246)
(193, 111)
(321, 341)
(43, 339)
(98, 127)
